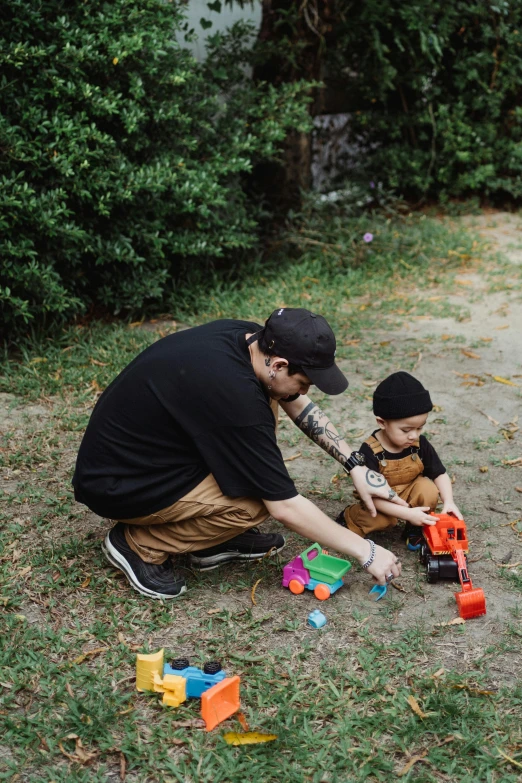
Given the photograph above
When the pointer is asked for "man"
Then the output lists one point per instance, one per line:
(181, 450)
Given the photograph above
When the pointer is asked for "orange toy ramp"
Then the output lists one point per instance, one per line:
(220, 702)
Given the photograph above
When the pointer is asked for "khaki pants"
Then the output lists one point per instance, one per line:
(202, 518)
(420, 492)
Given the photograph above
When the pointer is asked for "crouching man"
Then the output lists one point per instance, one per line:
(181, 451)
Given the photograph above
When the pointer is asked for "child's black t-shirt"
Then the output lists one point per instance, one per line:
(189, 405)
(433, 467)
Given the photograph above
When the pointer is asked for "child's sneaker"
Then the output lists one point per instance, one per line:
(414, 537)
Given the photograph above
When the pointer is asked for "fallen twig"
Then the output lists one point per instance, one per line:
(252, 593)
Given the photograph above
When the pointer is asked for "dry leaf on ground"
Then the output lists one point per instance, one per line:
(248, 738)
(508, 758)
(243, 721)
(414, 704)
(455, 621)
(253, 593)
(411, 762)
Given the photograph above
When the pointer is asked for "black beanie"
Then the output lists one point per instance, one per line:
(400, 396)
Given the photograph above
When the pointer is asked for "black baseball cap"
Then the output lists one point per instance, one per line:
(306, 340)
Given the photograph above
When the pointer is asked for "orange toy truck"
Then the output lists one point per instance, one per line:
(443, 552)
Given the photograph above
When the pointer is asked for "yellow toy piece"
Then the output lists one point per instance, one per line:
(175, 692)
(146, 667)
(157, 684)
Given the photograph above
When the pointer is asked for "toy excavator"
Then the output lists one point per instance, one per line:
(443, 552)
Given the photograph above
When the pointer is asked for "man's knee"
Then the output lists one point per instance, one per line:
(259, 513)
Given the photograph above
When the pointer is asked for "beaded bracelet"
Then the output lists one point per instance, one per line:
(372, 554)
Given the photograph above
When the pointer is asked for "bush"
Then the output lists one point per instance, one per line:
(121, 156)
(435, 91)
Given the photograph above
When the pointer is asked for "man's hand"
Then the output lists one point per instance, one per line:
(384, 564)
(451, 508)
(369, 483)
(420, 516)
(303, 517)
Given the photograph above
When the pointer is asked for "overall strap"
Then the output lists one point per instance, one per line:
(374, 444)
(378, 448)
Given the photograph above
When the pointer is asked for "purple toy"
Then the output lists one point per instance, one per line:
(314, 569)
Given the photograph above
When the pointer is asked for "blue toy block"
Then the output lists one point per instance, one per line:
(316, 619)
(197, 681)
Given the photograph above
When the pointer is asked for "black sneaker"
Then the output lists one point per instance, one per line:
(414, 537)
(251, 545)
(156, 581)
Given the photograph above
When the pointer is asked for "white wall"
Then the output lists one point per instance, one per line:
(198, 9)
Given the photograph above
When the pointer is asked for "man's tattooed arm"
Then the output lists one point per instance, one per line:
(316, 424)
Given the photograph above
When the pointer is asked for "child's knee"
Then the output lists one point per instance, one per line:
(426, 493)
(358, 519)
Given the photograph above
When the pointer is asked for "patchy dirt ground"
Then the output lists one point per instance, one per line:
(472, 365)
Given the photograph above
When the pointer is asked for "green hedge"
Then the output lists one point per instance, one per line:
(435, 88)
(121, 157)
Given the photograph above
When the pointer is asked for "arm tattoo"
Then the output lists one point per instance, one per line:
(324, 435)
(303, 413)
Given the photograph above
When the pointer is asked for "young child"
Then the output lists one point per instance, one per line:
(406, 459)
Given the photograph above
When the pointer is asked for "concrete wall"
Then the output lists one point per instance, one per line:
(198, 9)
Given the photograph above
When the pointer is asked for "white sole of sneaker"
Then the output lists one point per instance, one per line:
(117, 560)
(207, 564)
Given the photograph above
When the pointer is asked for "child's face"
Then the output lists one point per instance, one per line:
(402, 433)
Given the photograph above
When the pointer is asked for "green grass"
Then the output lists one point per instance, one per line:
(336, 698)
(325, 266)
(343, 718)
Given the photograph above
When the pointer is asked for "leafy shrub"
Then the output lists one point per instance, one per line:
(121, 157)
(435, 92)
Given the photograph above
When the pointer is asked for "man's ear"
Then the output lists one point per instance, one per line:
(279, 363)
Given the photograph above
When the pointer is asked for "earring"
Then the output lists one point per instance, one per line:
(267, 361)
(271, 374)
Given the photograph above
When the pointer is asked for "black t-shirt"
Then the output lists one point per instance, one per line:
(433, 467)
(187, 406)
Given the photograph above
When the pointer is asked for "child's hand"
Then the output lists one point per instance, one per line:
(451, 508)
(421, 516)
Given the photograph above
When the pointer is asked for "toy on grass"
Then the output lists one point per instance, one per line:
(316, 570)
(316, 619)
(443, 552)
(381, 591)
(178, 681)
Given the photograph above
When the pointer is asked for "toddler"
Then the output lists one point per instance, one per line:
(406, 459)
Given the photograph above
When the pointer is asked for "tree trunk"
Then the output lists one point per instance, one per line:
(297, 45)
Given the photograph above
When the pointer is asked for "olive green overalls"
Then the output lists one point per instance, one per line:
(405, 477)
